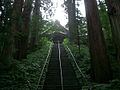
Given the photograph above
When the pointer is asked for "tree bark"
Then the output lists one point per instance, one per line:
(100, 65)
(25, 28)
(5, 34)
(36, 23)
(72, 21)
(16, 26)
(20, 26)
(114, 16)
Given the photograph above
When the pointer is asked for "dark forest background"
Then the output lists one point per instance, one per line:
(25, 39)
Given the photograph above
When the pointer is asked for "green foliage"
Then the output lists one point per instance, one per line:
(23, 75)
(116, 69)
(82, 28)
(106, 27)
(43, 41)
(51, 27)
(84, 50)
(113, 85)
(36, 24)
(82, 59)
(111, 50)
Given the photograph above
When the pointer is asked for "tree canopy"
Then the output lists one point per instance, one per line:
(26, 29)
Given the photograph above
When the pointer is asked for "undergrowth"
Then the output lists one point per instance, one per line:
(23, 75)
(83, 60)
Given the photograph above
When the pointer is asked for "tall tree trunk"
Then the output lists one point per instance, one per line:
(36, 23)
(114, 16)
(16, 26)
(20, 26)
(100, 64)
(1, 15)
(25, 28)
(72, 21)
(5, 33)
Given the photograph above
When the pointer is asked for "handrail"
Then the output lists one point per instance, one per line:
(61, 72)
(46, 60)
(90, 88)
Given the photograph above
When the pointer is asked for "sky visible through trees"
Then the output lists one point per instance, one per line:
(30, 28)
(60, 14)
